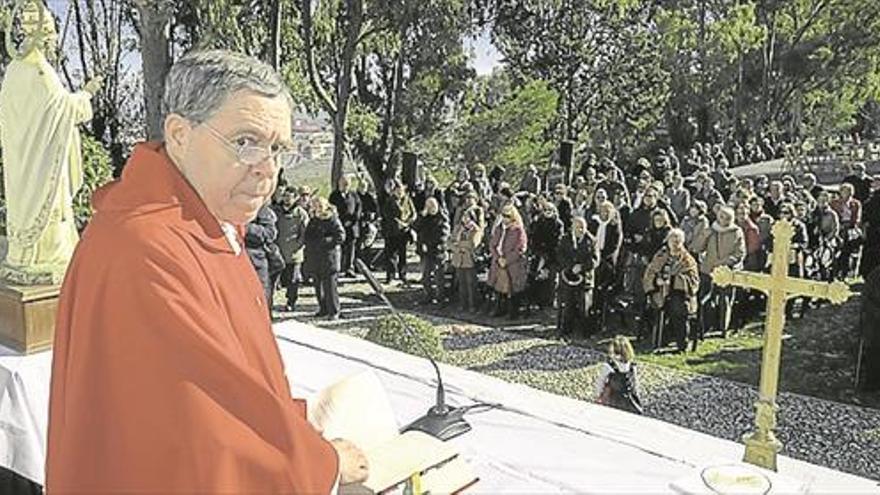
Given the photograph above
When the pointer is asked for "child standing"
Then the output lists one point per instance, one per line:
(617, 383)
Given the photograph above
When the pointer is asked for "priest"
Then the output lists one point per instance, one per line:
(166, 375)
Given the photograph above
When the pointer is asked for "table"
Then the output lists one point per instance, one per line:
(536, 443)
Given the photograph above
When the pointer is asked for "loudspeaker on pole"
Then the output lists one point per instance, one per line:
(566, 159)
(411, 169)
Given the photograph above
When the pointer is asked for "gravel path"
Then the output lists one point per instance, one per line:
(831, 434)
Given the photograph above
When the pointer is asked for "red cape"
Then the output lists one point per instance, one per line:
(166, 375)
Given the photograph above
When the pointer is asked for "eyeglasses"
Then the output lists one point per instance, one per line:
(252, 154)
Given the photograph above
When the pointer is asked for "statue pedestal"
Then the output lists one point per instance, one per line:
(27, 316)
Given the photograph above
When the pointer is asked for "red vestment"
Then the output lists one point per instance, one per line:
(166, 375)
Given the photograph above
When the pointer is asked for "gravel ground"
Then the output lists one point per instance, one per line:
(831, 434)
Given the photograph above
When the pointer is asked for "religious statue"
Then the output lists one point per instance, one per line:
(42, 164)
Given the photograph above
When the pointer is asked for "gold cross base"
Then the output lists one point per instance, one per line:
(761, 449)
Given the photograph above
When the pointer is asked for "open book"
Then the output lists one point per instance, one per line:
(357, 409)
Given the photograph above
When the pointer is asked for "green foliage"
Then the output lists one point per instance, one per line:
(601, 57)
(389, 332)
(513, 133)
(97, 171)
(411, 76)
(796, 67)
(630, 71)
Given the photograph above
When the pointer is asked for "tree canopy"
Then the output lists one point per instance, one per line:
(623, 76)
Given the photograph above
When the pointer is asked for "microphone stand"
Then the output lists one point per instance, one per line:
(441, 421)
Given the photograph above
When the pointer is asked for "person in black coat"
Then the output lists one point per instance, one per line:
(660, 227)
(431, 191)
(578, 257)
(869, 344)
(564, 206)
(259, 241)
(544, 235)
(398, 215)
(369, 215)
(606, 230)
(432, 228)
(860, 181)
(348, 206)
(324, 237)
(871, 227)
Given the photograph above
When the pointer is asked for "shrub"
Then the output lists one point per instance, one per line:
(97, 171)
(389, 332)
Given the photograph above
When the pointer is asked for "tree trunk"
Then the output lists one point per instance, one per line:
(275, 36)
(767, 73)
(155, 18)
(355, 14)
(703, 108)
(390, 139)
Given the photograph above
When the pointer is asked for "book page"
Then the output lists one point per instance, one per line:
(396, 460)
(449, 478)
(357, 409)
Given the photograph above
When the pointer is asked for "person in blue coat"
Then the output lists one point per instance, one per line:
(259, 240)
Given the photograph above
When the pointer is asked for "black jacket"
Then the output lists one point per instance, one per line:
(584, 253)
(260, 238)
(613, 240)
(639, 223)
(433, 231)
(324, 236)
(657, 239)
(563, 208)
(544, 238)
(861, 186)
(369, 207)
(349, 208)
(422, 196)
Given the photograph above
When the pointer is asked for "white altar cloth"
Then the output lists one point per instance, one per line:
(536, 443)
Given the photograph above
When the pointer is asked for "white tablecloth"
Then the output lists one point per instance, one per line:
(538, 442)
(24, 409)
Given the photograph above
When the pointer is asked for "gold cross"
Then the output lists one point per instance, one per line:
(762, 446)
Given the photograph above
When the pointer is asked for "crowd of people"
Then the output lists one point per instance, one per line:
(597, 243)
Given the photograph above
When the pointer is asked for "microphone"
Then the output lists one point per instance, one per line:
(441, 420)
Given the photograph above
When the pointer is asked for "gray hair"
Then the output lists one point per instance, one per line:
(199, 83)
(676, 232)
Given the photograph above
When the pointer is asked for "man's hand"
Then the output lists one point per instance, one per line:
(353, 467)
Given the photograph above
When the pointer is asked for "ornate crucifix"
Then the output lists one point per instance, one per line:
(762, 445)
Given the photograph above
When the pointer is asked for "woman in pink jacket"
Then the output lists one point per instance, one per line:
(508, 272)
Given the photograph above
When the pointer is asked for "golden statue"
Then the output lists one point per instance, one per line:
(40, 145)
(762, 445)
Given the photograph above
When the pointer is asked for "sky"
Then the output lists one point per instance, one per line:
(486, 56)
